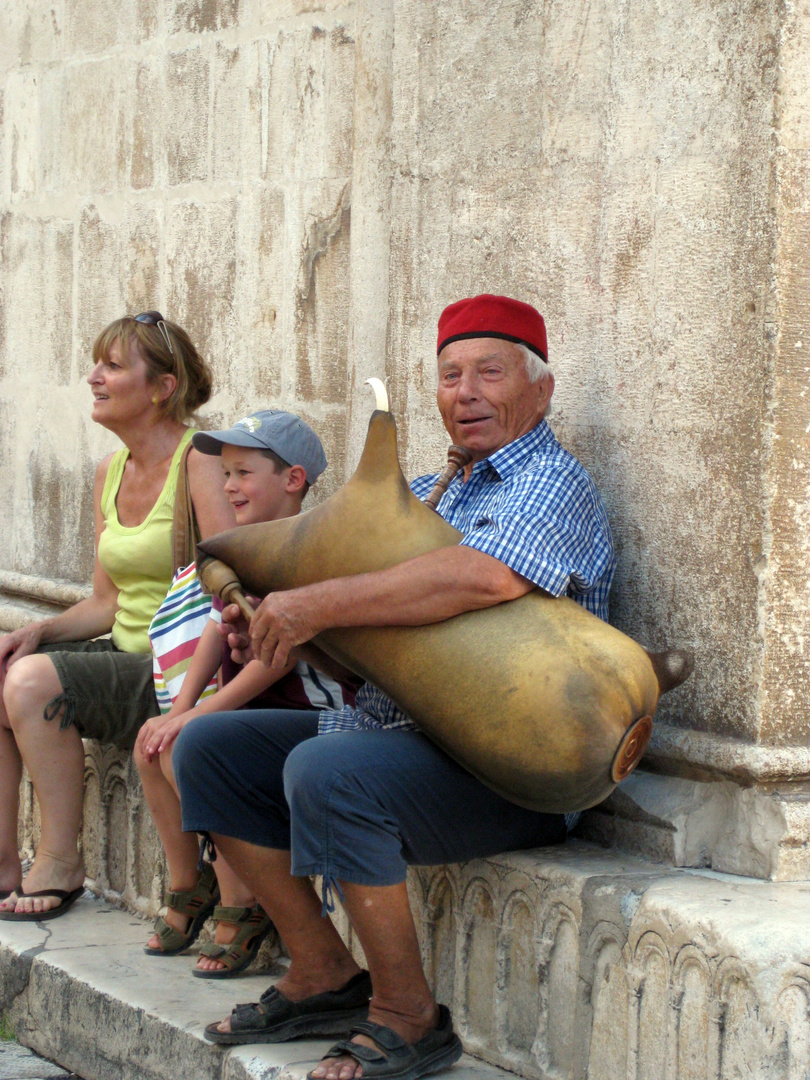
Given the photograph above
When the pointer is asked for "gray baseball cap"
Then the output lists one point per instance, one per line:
(270, 429)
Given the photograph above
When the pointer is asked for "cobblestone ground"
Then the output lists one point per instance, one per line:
(19, 1063)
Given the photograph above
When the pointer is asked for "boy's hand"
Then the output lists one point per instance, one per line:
(151, 737)
(234, 630)
(171, 729)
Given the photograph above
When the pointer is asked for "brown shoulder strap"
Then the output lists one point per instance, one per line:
(185, 533)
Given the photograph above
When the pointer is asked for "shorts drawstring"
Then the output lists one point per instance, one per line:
(51, 710)
(206, 848)
(330, 886)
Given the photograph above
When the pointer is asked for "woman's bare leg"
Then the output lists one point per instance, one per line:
(10, 774)
(55, 762)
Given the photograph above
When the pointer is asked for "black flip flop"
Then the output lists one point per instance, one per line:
(67, 898)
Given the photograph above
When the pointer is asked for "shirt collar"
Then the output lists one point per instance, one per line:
(515, 454)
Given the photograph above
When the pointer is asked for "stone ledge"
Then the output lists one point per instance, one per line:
(81, 991)
(760, 831)
(559, 965)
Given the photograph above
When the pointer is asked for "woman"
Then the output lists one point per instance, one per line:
(58, 683)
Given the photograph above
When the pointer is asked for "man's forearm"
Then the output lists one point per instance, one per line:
(427, 589)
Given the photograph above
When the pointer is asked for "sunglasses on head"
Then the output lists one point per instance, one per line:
(154, 318)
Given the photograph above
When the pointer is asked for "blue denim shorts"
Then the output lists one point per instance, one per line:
(354, 806)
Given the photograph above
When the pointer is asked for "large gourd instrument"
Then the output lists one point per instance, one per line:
(539, 699)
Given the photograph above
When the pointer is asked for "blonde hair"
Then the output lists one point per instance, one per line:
(193, 375)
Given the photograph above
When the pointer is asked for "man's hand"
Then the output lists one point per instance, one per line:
(282, 621)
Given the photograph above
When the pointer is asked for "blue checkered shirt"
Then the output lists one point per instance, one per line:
(532, 506)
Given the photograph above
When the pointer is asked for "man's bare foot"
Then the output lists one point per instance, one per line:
(297, 987)
(346, 1068)
(49, 871)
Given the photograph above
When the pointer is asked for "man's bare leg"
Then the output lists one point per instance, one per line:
(55, 762)
(319, 960)
(381, 918)
(10, 774)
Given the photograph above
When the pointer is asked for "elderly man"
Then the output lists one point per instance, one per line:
(371, 794)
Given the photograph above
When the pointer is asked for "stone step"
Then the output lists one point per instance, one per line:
(81, 991)
(569, 963)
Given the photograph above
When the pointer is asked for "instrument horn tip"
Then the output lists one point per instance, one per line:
(380, 393)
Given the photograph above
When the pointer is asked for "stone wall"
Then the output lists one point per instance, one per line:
(305, 184)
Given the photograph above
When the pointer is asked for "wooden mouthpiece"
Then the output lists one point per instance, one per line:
(220, 579)
(457, 458)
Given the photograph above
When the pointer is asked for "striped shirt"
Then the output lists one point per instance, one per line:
(532, 506)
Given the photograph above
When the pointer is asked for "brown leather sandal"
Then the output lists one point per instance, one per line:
(254, 926)
(197, 903)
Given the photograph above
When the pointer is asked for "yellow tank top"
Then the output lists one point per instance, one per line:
(138, 560)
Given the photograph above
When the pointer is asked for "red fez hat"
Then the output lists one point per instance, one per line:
(493, 316)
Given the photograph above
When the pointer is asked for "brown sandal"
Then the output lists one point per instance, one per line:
(197, 903)
(254, 926)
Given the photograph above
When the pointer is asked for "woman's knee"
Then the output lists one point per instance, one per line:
(28, 687)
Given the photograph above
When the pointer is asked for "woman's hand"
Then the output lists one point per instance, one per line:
(17, 644)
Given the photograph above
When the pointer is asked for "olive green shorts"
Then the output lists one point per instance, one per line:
(106, 693)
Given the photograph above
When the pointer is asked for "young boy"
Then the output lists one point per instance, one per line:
(269, 459)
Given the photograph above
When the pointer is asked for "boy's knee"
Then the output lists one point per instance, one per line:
(143, 764)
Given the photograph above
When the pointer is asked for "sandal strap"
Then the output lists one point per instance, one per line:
(254, 925)
(383, 1036)
(168, 936)
(212, 950)
(358, 1051)
(189, 901)
(237, 915)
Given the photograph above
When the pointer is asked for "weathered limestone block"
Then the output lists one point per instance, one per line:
(31, 33)
(307, 97)
(78, 127)
(256, 375)
(321, 300)
(597, 964)
(761, 831)
(236, 134)
(201, 258)
(202, 16)
(186, 133)
(19, 142)
(142, 142)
